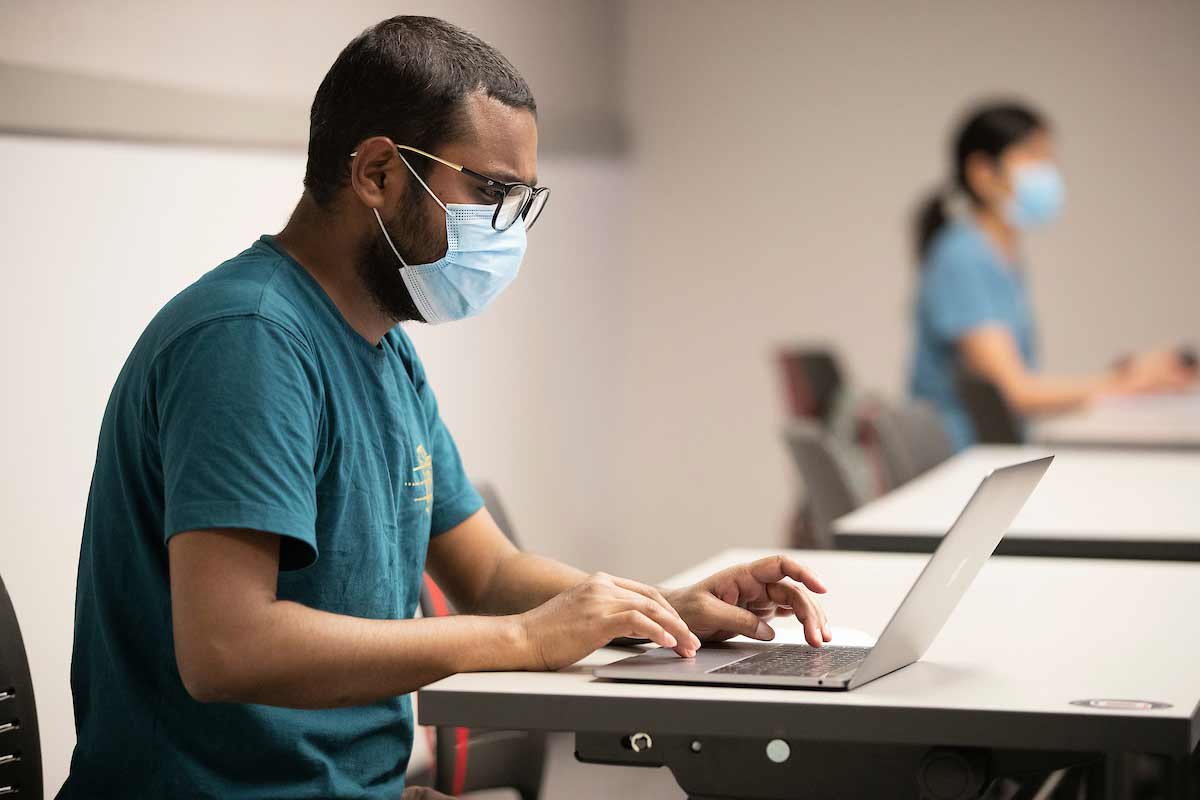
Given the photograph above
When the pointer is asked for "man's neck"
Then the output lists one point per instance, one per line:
(324, 246)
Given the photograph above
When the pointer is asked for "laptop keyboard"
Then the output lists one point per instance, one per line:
(797, 660)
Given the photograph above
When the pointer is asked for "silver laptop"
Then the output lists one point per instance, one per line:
(921, 615)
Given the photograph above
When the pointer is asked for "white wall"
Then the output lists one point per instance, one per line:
(275, 53)
(778, 148)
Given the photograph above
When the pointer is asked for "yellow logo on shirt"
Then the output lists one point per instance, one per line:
(424, 478)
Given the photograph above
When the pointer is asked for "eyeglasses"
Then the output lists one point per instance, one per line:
(517, 200)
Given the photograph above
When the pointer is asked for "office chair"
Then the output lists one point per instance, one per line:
(993, 419)
(828, 492)
(910, 439)
(20, 748)
(467, 760)
(813, 379)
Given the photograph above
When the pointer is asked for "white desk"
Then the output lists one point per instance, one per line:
(1092, 503)
(1029, 637)
(1166, 421)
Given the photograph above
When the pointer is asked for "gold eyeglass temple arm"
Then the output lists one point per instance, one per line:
(449, 164)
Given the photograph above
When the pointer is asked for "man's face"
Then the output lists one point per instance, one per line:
(500, 142)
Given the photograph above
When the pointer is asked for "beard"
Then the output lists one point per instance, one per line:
(418, 239)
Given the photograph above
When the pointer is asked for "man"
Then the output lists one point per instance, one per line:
(273, 476)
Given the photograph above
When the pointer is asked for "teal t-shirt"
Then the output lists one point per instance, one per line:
(249, 402)
(964, 285)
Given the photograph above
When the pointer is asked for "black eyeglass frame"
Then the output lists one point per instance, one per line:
(505, 187)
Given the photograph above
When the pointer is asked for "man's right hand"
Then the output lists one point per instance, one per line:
(591, 614)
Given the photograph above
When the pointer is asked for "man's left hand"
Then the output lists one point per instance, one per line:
(740, 600)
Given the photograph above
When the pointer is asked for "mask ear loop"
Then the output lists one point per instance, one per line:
(388, 239)
(379, 219)
(423, 183)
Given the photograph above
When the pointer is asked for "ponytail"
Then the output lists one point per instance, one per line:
(929, 220)
(989, 129)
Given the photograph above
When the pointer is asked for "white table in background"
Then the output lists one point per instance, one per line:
(1092, 503)
(1157, 421)
(1030, 637)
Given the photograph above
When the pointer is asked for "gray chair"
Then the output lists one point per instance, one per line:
(467, 759)
(491, 499)
(910, 439)
(20, 746)
(828, 493)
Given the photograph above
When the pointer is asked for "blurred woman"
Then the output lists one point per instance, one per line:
(973, 310)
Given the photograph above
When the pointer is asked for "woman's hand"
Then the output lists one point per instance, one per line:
(1155, 371)
(739, 600)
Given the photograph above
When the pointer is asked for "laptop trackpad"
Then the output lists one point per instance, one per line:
(708, 658)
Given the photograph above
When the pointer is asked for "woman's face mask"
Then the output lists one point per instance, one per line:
(1037, 196)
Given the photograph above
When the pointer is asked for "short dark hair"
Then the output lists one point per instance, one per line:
(405, 78)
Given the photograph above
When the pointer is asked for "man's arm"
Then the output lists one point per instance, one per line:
(482, 572)
(235, 641)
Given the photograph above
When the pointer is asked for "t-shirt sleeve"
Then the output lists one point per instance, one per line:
(235, 404)
(454, 497)
(958, 296)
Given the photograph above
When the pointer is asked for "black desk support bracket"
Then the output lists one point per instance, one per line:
(723, 768)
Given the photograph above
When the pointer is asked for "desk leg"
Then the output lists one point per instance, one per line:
(718, 768)
(1183, 778)
(1108, 778)
(1137, 775)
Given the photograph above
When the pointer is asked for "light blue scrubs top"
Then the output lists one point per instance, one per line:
(965, 284)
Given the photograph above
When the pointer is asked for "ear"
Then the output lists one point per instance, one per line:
(984, 177)
(372, 171)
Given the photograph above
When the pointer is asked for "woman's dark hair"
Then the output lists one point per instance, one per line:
(405, 78)
(989, 129)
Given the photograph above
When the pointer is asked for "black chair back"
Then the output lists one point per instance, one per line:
(813, 378)
(20, 746)
(993, 419)
(491, 499)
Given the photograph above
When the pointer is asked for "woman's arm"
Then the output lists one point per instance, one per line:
(991, 352)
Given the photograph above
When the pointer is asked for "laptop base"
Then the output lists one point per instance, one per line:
(662, 665)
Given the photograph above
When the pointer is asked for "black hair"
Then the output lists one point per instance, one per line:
(405, 78)
(989, 129)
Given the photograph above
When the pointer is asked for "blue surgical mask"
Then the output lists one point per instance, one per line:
(480, 262)
(1038, 195)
